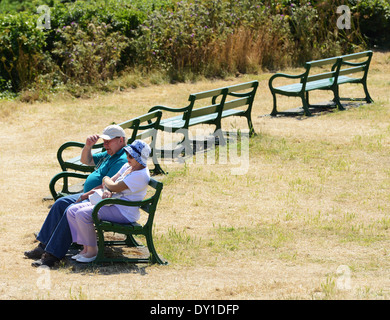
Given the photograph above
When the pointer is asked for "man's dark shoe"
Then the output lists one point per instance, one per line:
(35, 253)
(47, 260)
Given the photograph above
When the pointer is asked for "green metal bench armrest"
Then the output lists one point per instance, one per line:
(164, 108)
(186, 111)
(301, 76)
(290, 76)
(148, 204)
(62, 175)
(348, 63)
(110, 201)
(70, 144)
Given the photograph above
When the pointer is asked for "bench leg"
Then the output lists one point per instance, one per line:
(157, 168)
(219, 139)
(274, 109)
(186, 142)
(250, 126)
(305, 106)
(336, 99)
(100, 255)
(368, 97)
(154, 258)
(131, 242)
(307, 98)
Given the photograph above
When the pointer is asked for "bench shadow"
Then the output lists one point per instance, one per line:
(179, 152)
(106, 268)
(316, 110)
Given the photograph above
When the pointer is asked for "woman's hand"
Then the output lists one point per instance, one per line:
(106, 194)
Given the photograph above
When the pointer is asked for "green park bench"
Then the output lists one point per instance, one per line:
(340, 73)
(149, 206)
(141, 127)
(235, 100)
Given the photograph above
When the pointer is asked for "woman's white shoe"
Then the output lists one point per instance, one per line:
(85, 259)
(75, 257)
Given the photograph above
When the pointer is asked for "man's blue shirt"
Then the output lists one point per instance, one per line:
(106, 165)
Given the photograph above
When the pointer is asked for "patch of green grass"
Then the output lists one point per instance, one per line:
(178, 247)
(248, 239)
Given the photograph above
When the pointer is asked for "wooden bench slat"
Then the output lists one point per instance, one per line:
(354, 56)
(322, 62)
(204, 111)
(346, 79)
(231, 112)
(203, 119)
(236, 103)
(174, 122)
(241, 86)
(205, 94)
(351, 70)
(326, 75)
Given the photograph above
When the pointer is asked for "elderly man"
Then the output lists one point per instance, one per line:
(55, 237)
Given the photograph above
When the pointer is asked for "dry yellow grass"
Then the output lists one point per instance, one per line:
(310, 220)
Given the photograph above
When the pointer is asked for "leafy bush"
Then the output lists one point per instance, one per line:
(374, 20)
(91, 42)
(312, 40)
(212, 38)
(182, 38)
(22, 53)
(91, 56)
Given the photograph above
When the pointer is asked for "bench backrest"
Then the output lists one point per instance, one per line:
(142, 127)
(147, 128)
(333, 62)
(348, 67)
(229, 97)
(149, 205)
(241, 98)
(340, 65)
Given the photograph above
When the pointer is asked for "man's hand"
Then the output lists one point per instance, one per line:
(86, 155)
(91, 140)
(83, 197)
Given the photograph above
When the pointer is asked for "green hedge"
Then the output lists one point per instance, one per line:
(44, 51)
(90, 42)
(373, 18)
(22, 50)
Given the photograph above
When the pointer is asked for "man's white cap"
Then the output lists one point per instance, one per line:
(112, 132)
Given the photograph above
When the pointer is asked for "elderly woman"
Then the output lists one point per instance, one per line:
(130, 183)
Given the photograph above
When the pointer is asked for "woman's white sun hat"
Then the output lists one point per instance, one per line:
(139, 150)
